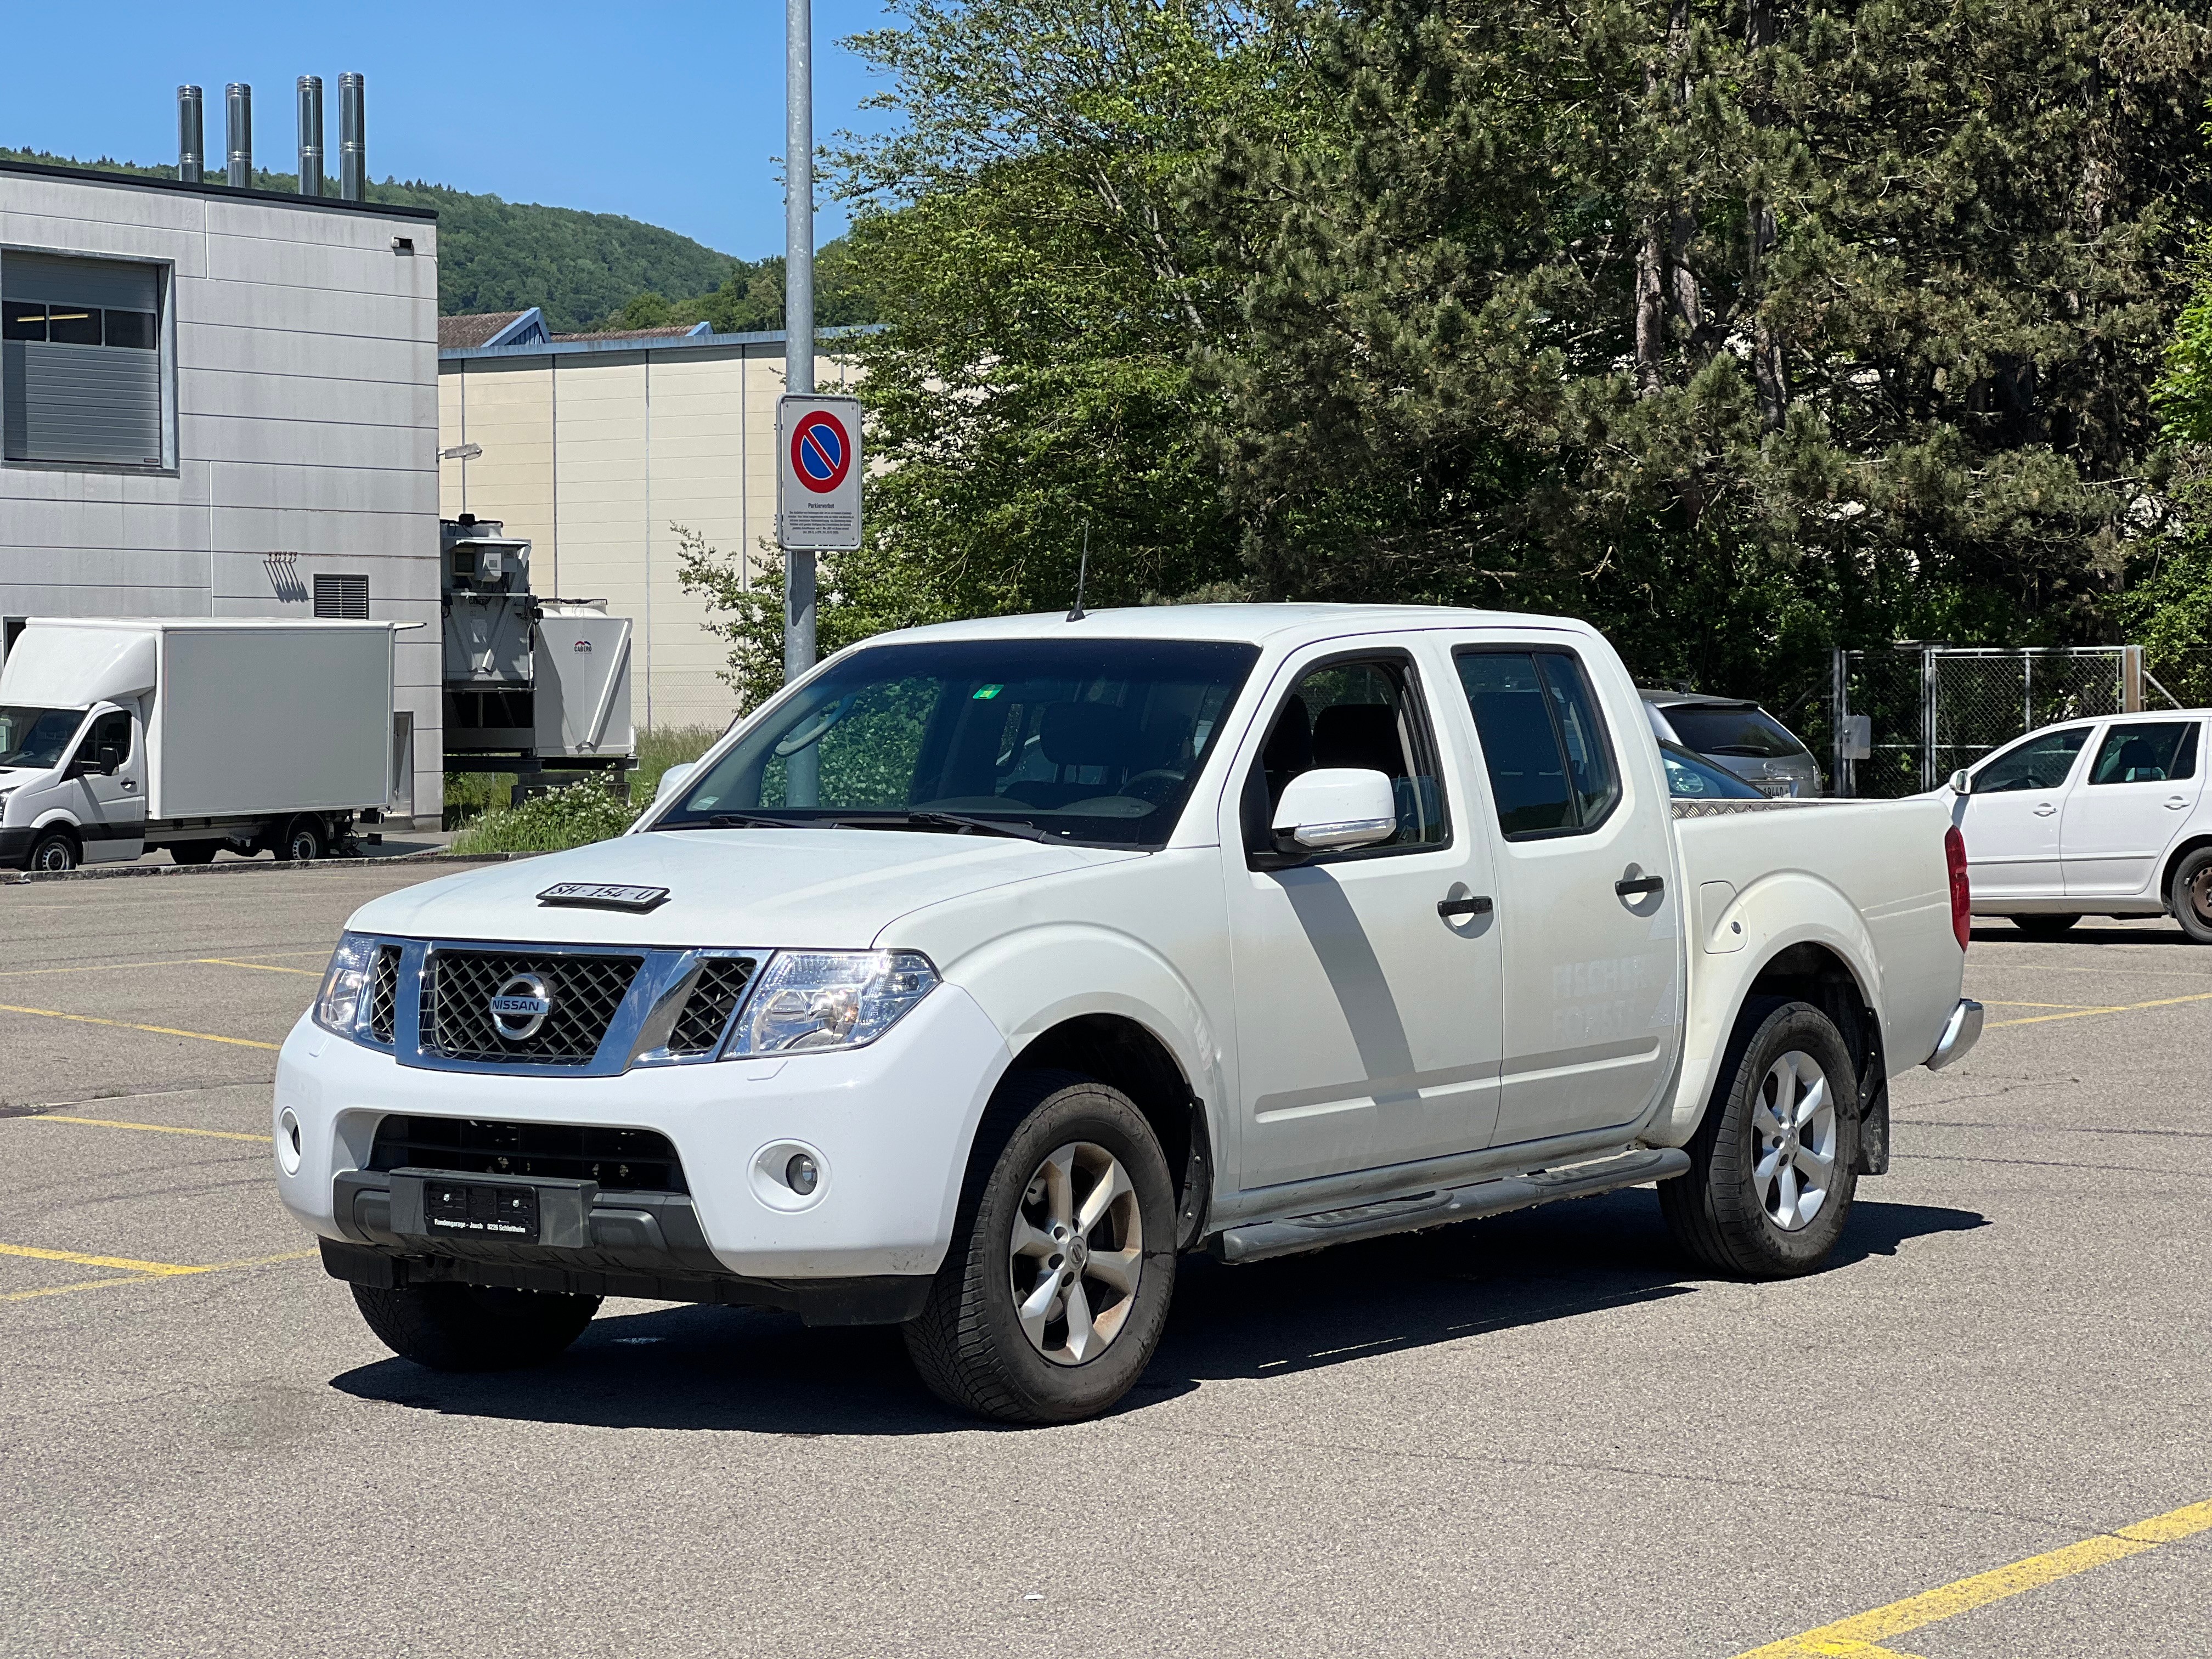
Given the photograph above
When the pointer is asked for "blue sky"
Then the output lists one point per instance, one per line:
(671, 113)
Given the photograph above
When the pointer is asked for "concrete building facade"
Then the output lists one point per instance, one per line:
(596, 448)
(223, 403)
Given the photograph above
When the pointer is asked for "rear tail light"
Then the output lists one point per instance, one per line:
(1962, 907)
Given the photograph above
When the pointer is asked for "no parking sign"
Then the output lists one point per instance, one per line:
(817, 492)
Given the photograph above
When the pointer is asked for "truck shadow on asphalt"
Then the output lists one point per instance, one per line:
(736, 1370)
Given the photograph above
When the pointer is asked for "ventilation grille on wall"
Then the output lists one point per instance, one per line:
(345, 598)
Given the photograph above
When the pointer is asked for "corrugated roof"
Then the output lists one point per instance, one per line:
(667, 331)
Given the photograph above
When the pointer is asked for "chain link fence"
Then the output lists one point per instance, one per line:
(1902, 720)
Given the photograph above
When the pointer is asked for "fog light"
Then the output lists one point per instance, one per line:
(800, 1175)
(289, 1148)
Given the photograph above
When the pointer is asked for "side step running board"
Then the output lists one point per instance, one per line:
(1440, 1208)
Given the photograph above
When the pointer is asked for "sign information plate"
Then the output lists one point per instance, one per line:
(817, 486)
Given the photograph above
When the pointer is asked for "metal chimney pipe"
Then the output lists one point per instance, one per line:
(238, 101)
(311, 134)
(353, 140)
(191, 140)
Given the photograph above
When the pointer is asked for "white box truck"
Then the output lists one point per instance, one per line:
(122, 735)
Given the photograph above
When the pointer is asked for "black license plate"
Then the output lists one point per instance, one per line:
(480, 1209)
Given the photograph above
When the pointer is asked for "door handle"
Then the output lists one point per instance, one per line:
(130, 783)
(1452, 909)
(2043, 809)
(1640, 886)
(2177, 802)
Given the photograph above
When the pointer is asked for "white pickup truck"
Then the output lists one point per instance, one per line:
(993, 966)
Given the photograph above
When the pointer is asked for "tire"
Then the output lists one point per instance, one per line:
(1048, 1143)
(302, 843)
(473, 1328)
(54, 852)
(2044, 927)
(196, 852)
(1719, 1210)
(2190, 894)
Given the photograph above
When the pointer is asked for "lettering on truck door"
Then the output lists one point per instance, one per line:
(1367, 1022)
(1593, 1002)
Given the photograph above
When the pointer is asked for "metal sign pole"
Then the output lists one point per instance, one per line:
(798, 305)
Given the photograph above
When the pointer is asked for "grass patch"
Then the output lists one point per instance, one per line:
(476, 802)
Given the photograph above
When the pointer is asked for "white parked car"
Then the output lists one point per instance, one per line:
(984, 972)
(2091, 817)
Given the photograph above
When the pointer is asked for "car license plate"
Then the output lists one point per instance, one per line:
(479, 1210)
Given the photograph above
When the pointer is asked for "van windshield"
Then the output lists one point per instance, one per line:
(35, 738)
(1091, 741)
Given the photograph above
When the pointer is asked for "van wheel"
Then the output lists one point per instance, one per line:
(1774, 1166)
(2044, 927)
(2190, 894)
(53, 854)
(474, 1327)
(302, 843)
(1052, 1299)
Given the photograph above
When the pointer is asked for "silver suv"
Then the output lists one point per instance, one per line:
(1738, 736)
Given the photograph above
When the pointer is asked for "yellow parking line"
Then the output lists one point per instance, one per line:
(1856, 1636)
(2122, 1008)
(152, 1129)
(128, 1025)
(149, 1272)
(2085, 1007)
(125, 1263)
(172, 961)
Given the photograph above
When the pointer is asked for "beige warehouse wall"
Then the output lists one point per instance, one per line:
(594, 455)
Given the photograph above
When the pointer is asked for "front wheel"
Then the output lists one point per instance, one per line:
(474, 1327)
(2190, 894)
(1052, 1299)
(1775, 1165)
(54, 854)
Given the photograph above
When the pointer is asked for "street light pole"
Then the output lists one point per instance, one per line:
(799, 301)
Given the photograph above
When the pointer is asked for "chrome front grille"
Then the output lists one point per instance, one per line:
(706, 1014)
(384, 993)
(586, 991)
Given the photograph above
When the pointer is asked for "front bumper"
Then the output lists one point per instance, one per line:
(889, 1127)
(1962, 1031)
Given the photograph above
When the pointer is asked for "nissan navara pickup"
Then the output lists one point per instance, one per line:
(992, 967)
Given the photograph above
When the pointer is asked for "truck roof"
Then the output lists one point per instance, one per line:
(1252, 625)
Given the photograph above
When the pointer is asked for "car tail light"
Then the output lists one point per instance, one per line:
(1962, 906)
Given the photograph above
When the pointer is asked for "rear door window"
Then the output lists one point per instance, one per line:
(1551, 763)
(2161, 752)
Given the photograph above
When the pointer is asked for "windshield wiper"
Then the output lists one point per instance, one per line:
(735, 821)
(957, 823)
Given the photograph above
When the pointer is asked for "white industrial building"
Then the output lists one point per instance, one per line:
(593, 446)
(217, 401)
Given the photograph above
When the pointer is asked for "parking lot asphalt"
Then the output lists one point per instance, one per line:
(1542, 1434)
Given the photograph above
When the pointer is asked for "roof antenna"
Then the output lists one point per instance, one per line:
(1082, 575)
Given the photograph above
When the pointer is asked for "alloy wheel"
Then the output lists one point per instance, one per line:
(1795, 1122)
(1077, 1253)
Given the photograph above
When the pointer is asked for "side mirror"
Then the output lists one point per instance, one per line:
(1962, 782)
(1333, 808)
(672, 780)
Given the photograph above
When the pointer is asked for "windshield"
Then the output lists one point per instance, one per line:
(1095, 741)
(1700, 779)
(1752, 732)
(35, 738)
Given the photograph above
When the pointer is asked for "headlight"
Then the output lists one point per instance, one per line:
(337, 1005)
(809, 1001)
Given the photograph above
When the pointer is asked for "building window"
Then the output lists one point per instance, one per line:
(79, 361)
(345, 598)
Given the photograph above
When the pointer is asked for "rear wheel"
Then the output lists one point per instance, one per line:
(53, 854)
(1774, 1166)
(302, 843)
(473, 1328)
(2190, 894)
(1052, 1300)
(2044, 927)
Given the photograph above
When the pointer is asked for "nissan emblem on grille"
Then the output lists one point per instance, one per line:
(520, 1008)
